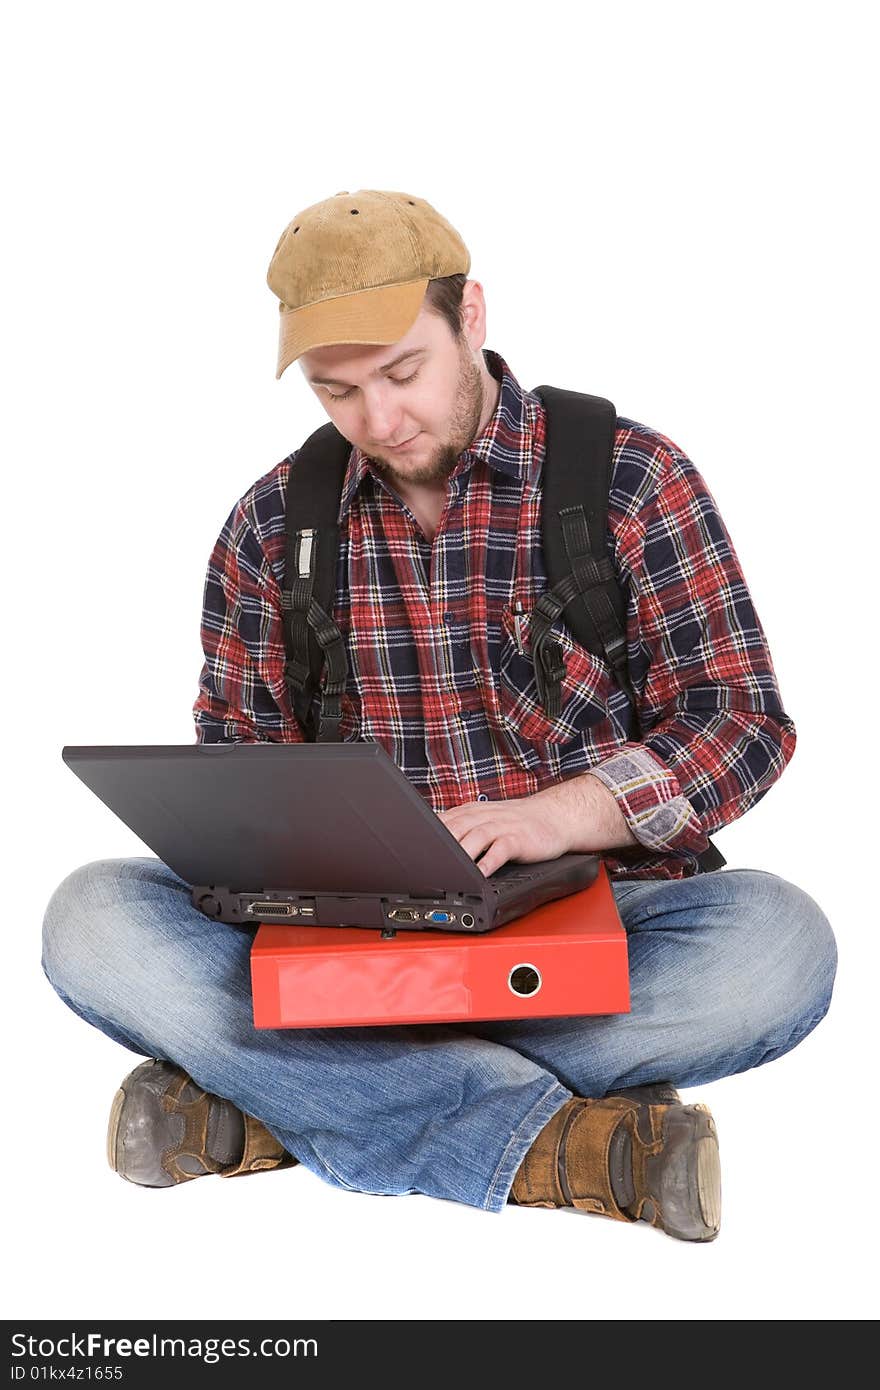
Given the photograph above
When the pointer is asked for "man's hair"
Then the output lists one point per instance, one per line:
(443, 297)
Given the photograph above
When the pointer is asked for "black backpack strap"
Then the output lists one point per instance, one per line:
(314, 487)
(581, 580)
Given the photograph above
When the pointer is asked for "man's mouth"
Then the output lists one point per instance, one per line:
(395, 448)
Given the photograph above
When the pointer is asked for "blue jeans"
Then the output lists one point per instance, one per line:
(728, 970)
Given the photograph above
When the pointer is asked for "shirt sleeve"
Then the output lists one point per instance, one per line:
(242, 695)
(715, 736)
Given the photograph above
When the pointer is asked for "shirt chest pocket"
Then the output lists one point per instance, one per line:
(586, 690)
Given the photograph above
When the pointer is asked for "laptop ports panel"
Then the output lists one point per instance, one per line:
(250, 909)
(273, 912)
(449, 913)
(278, 909)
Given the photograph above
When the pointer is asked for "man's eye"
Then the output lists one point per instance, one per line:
(398, 381)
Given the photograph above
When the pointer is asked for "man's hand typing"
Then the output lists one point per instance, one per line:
(577, 815)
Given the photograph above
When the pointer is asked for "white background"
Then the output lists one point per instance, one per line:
(666, 204)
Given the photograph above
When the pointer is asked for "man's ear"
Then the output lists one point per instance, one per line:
(473, 314)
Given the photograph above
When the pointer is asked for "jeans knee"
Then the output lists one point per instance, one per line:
(794, 959)
(805, 938)
(71, 920)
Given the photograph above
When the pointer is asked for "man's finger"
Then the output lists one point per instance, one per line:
(492, 860)
(475, 840)
(476, 819)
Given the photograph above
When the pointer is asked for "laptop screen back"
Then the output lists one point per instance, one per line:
(331, 818)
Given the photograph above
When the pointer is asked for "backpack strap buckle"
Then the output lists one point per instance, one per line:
(550, 671)
(316, 663)
(303, 616)
(547, 660)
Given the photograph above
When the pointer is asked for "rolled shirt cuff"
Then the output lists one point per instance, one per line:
(652, 802)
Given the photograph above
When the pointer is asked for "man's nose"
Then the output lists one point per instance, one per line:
(381, 417)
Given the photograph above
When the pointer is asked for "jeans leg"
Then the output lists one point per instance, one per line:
(428, 1109)
(728, 970)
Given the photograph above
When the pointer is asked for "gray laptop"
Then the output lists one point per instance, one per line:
(328, 834)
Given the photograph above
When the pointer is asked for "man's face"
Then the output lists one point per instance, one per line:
(425, 393)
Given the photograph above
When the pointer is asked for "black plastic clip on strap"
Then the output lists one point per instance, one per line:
(307, 615)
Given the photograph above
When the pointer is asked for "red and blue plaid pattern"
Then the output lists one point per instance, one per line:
(441, 674)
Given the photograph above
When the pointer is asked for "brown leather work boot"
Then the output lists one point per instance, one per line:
(164, 1129)
(631, 1160)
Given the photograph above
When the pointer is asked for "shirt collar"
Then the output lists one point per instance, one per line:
(506, 443)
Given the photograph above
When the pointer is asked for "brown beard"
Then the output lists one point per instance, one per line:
(470, 397)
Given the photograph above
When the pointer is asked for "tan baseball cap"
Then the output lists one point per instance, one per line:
(354, 269)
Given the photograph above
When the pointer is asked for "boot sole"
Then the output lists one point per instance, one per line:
(709, 1184)
(686, 1175)
(113, 1130)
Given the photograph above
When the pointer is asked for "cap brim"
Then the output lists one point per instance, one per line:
(370, 316)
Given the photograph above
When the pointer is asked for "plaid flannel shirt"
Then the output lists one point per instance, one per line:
(441, 675)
